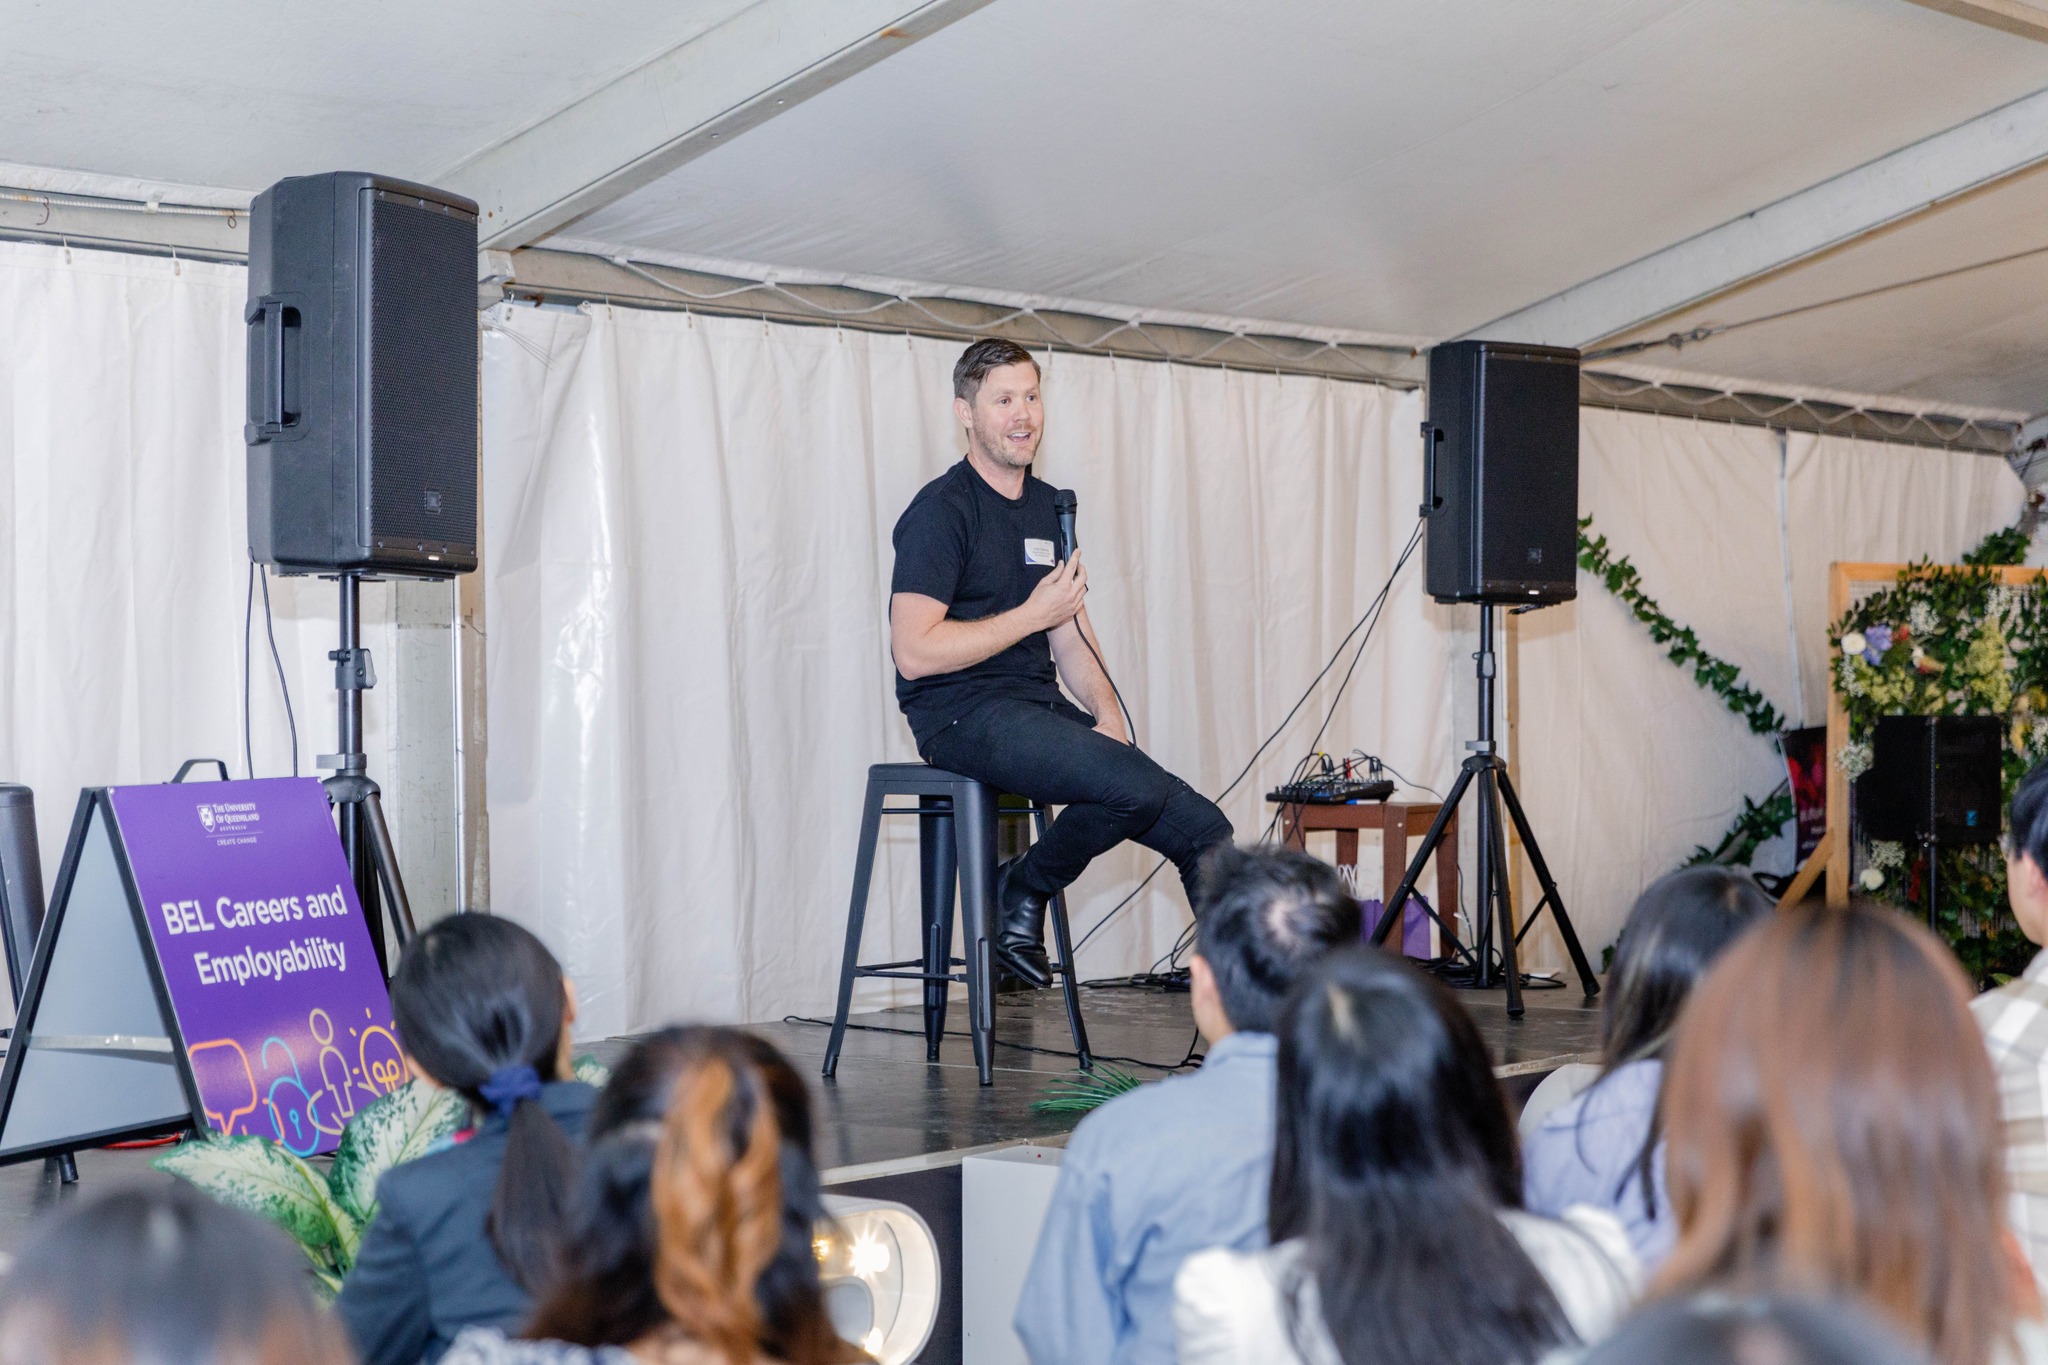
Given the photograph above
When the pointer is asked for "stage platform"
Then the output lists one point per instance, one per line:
(889, 1111)
(893, 1126)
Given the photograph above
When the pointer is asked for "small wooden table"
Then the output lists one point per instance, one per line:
(1397, 822)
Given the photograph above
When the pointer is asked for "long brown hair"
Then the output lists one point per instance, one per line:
(1832, 1121)
(655, 1112)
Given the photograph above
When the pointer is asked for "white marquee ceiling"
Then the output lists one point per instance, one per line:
(1410, 167)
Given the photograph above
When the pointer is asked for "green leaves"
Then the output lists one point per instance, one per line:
(391, 1130)
(1681, 645)
(326, 1215)
(261, 1177)
(1085, 1091)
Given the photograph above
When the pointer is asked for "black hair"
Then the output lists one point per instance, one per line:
(990, 353)
(1717, 1329)
(1677, 927)
(474, 997)
(1265, 914)
(166, 1275)
(1393, 1158)
(2026, 824)
(606, 1294)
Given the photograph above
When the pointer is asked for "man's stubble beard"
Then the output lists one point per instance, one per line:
(999, 452)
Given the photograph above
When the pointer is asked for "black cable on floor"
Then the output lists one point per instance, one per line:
(1189, 1060)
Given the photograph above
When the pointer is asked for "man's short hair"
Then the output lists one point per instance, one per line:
(1265, 915)
(2026, 824)
(977, 360)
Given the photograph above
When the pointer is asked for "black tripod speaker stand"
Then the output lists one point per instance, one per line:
(365, 837)
(1495, 914)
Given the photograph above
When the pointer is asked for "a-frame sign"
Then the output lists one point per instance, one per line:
(204, 964)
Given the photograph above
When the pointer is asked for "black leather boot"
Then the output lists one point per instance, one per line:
(1020, 928)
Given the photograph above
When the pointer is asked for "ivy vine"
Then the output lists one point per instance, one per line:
(1681, 645)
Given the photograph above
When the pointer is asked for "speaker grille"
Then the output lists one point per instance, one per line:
(422, 384)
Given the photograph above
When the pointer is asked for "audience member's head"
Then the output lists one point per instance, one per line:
(1832, 1125)
(1716, 1329)
(164, 1276)
(698, 1190)
(1678, 926)
(1265, 915)
(1393, 1158)
(2026, 854)
(482, 1008)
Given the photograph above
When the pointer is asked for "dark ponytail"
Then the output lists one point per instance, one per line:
(479, 1004)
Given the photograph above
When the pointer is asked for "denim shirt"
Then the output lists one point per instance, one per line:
(1585, 1152)
(1147, 1180)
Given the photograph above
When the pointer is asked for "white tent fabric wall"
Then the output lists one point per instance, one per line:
(687, 537)
(123, 541)
(1627, 764)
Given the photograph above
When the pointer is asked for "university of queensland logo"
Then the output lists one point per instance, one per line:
(206, 818)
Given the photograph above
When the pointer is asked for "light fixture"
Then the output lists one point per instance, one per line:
(879, 1265)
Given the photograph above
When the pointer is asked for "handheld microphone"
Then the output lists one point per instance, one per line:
(1063, 504)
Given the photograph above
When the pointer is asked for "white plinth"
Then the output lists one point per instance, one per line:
(1003, 1199)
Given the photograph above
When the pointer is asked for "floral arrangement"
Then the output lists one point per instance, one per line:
(1948, 642)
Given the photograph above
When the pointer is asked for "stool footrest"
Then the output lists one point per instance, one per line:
(910, 976)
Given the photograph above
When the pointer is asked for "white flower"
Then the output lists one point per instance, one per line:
(1921, 618)
(1854, 760)
(2002, 600)
(1872, 879)
(1886, 853)
(1853, 643)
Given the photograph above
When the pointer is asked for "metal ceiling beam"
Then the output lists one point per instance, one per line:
(2011, 16)
(1825, 217)
(771, 56)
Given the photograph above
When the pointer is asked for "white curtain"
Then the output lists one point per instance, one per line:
(123, 541)
(687, 537)
(1627, 764)
(688, 526)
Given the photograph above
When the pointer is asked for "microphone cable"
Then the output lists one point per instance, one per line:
(1366, 622)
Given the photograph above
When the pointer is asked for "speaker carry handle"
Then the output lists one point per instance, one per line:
(1432, 434)
(270, 418)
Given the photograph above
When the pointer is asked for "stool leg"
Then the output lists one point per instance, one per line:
(974, 835)
(935, 881)
(1070, 985)
(856, 914)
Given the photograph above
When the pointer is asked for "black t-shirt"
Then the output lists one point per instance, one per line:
(962, 543)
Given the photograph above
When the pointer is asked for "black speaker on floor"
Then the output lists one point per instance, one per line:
(1934, 779)
(1501, 473)
(362, 422)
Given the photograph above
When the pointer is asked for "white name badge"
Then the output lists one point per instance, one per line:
(1038, 552)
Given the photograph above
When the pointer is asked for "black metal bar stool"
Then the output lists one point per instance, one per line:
(956, 833)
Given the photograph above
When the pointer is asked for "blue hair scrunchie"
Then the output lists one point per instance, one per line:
(508, 1085)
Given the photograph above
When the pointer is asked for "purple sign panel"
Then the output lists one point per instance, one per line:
(284, 1012)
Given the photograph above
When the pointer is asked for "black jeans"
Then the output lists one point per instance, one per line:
(1050, 753)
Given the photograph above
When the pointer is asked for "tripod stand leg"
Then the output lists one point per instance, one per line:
(387, 867)
(1587, 981)
(1495, 904)
(1390, 915)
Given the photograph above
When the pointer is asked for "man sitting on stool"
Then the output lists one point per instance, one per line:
(979, 614)
(1171, 1169)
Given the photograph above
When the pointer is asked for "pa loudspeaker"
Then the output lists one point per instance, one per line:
(1501, 473)
(362, 421)
(1935, 779)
